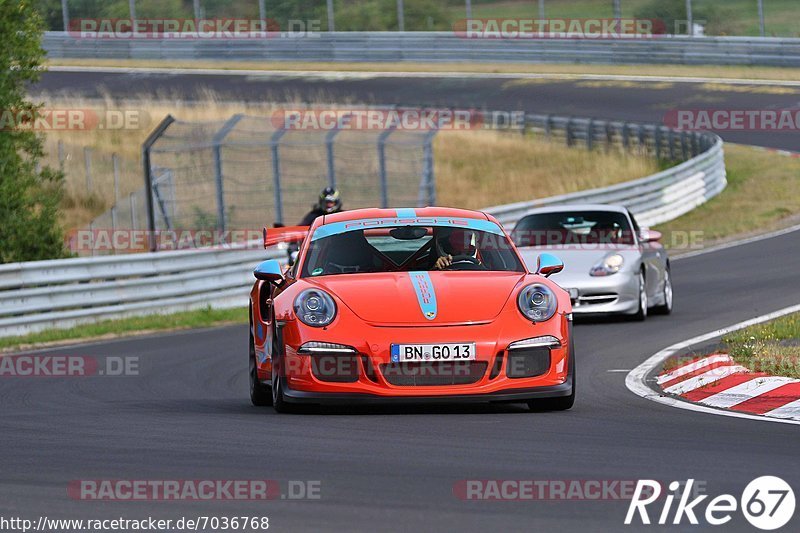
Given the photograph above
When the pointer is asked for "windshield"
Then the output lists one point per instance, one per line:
(405, 248)
(573, 227)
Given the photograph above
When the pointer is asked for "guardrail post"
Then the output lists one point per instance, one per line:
(695, 144)
(642, 136)
(219, 138)
(569, 131)
(274, 143)
(609, 136)
(382, 164)
(684, 147)
(590, 134)
(657, 141)
(548, 126)
(148, 178)
(626, 141)
(671, 142)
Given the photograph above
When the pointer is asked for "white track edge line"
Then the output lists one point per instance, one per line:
(636, 380)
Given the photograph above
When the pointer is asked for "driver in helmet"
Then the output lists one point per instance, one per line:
(329, 202)
(456, 246)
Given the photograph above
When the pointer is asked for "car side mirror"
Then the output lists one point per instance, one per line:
(269, 271)
(548, 264)
(650, 235)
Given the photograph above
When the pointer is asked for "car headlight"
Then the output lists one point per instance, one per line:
(315, 308)
(537, 302)
(611, 264)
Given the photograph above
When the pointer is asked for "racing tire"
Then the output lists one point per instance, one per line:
(666, 307)
(641, 313)
(278, 398)
(260, 394)
(562, 403)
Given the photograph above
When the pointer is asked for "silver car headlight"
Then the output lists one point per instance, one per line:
(315, 308)
(611, 264)
(537, 302)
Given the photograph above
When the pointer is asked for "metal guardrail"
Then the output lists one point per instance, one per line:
(654, 199)
(431, 47)
(61, 293)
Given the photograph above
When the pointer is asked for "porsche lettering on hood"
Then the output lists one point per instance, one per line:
(410, 297)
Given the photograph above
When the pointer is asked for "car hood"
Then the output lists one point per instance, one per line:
(578, 260)
(423, 298)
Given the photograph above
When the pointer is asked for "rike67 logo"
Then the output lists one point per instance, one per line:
(767, 503)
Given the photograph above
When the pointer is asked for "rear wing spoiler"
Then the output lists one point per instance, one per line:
(285, 234)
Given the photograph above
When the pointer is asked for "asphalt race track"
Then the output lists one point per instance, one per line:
(605, 99)
(187, 414)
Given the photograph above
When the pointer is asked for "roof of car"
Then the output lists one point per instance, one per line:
(400, 212)
(577, 207)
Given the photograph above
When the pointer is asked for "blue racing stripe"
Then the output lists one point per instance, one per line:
(406, 213)
(337, 228)
(426, 295)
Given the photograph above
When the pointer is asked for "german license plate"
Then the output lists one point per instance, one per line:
(406, 353)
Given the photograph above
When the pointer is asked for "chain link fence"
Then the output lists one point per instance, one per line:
(229, 175)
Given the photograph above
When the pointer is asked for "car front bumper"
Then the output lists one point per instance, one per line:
(614, 294)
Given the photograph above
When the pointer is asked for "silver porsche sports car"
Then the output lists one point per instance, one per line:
(610, 264)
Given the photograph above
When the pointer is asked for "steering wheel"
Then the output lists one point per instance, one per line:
(463, 260)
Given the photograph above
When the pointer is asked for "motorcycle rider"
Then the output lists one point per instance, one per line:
(329, 202)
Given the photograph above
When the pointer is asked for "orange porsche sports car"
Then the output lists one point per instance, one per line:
(408, 305)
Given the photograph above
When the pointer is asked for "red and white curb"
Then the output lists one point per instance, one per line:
(716, 384)
(717, 381)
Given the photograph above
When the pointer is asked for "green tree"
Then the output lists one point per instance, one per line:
(29, 198)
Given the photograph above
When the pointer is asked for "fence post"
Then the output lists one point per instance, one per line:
(132, 199)
(219, 138)
(428, 184)
(87, 162)
(401, 23)
(276, 174)
(382, 164)
(671, 142)
(148, 178)
(331, 24)
(61, 155)
(329, 138)
(115, 163)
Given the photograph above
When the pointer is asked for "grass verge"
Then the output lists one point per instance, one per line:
(772, 347)
(763, 194)
(109, 329)
(567, 69)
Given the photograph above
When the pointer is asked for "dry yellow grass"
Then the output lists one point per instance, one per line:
(481, 168)
(473, 169)
(705, 71)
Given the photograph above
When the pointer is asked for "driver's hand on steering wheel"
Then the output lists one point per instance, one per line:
(443, 262)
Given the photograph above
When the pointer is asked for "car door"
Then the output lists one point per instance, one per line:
(653, 259)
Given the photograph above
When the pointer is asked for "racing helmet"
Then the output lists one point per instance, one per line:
(457, 241)
(329, 201)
